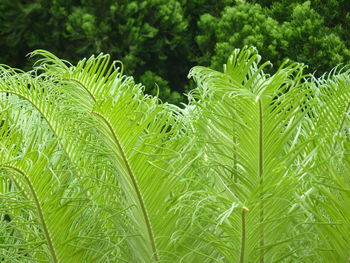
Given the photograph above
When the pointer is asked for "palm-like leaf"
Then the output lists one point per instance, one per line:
(252, 170)
(327, 131)
(145, 145)
(250, 121)
(46, 218)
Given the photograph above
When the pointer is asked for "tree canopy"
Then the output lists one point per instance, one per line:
(159, 41)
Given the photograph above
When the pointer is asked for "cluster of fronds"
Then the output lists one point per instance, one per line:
(253, 169)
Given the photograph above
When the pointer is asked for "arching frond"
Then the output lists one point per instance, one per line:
(254, 169)
(327, 130)
(45, 208)
(149, 150)
(249, 121)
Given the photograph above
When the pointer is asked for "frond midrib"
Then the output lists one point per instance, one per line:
(39, 211)
(135, 185)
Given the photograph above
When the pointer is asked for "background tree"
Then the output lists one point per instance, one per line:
(160, 41)
(145, 35)
(292, 30)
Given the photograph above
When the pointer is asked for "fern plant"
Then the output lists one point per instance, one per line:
(253, 169)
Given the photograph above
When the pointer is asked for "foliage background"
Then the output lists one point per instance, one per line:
(159, 41)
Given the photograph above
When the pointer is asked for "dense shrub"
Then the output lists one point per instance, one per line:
(159, 41)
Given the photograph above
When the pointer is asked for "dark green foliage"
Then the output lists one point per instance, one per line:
(286, 29)
(145, 35)
(158, 41)
(239, 25)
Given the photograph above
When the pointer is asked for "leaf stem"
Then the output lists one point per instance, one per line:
(39, 210)
(83, 86)
(135, 185)
(243, 235)
(261, 177)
